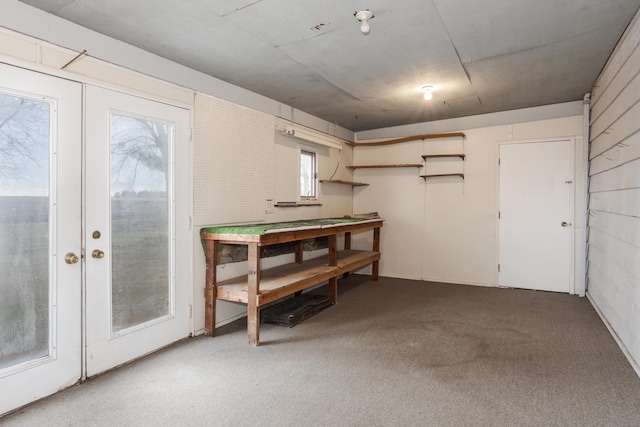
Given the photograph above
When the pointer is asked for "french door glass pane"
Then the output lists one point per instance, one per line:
(24, 229)
(140, 217)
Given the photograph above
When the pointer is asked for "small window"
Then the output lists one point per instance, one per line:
(308, 174)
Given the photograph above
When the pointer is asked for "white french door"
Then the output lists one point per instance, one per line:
(537, 215)
(95, 260)
(40, 237)
(136, 227)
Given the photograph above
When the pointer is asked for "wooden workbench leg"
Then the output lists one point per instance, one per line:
(376, 248)
(333, 261)
(253, 282)
(210, 290)
(347, 246)
(347, 240)
(299, 253)
(299, 259)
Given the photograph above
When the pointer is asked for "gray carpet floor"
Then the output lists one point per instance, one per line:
(390, 353)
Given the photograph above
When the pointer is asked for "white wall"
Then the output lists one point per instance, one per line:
(445, 229)
(614, 194)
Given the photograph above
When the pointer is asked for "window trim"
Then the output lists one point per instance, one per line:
(314, 152)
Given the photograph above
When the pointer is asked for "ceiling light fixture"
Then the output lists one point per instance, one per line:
(428, 92)
(363, 16)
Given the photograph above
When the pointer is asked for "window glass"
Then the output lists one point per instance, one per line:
(307, 174)
(25, 249)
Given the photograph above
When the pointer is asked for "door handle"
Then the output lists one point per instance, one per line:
(565, 223)
(97, 254)
(71, 258)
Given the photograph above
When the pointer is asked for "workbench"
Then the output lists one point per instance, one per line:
(259, 287)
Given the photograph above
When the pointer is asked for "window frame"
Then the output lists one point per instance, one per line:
(313, 152)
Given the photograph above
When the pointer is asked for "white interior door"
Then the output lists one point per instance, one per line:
(137, 227)
(40, 220)
(536, 215)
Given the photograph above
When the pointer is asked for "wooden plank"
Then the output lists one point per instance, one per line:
(407, 139)
(340, 181)
(353, 260)
(615, 274)
(624, 254)
(620, 178)
(623, 202)
(621, 131)
(231, 239)
(253, 309)
(284, 276)
(210, 291)
(625, 151)
(623, 50)
(403, 165)
(616, 300)
(620, 96)
(364, 226)
(622, 227)
(442, 156)
(270, 239)
(289, 278)
(310, 278)
(435, 175)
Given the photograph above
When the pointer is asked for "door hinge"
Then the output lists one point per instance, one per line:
(498, 161)
(498, 268)
(498, 214)
(190, 311)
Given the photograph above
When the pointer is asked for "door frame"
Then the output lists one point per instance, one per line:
(577, 285)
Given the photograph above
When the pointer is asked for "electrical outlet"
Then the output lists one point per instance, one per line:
(269, 206)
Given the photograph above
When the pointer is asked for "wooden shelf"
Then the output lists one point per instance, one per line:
(461, 175)
(340, 181)
(407, 138)
(407, 165)
(284, 280)
(294, 204)
(439, 156)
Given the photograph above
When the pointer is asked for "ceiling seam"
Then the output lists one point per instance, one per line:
(466, 72)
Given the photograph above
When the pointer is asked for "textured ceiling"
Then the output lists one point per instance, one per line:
(481, 55)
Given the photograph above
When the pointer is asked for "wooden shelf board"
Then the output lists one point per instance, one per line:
(439, 156)
(340, 181)
(408, 138)
(286, 279)
(406, 165)
(461, 175)
(295, 205)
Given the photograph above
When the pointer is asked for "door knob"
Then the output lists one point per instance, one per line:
(565, 223)
(97, 253)
(71, 258)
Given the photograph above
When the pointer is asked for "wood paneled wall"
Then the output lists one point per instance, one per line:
(614, 194)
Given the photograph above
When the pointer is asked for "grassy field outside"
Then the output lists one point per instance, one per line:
(140, 270)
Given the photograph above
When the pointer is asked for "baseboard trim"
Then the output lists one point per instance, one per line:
(632, 361)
